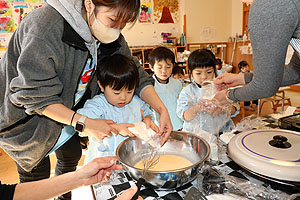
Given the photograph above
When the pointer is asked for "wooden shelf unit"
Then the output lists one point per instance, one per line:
(224, 51)
(246, 10)
(218, 48)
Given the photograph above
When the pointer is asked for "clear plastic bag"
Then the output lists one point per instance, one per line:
(214, 120)
(246, 124)
(147, 135)
(212, 181)
(211, 118)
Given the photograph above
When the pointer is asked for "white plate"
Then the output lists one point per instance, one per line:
(251, 150)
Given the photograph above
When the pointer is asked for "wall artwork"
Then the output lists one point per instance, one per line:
(13, 11)
(145, 12)
(166, 11)
(11, 14)
(6, 21)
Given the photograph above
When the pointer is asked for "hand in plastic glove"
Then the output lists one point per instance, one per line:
(208, 106)
(220, 97)
(228, 80)
(204, 105)
(228, 109)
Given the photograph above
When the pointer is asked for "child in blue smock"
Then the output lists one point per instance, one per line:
(202, 68)
(200, 114)
(162, 62)
(117, 78)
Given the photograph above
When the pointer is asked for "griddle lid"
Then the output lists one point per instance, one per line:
(270, 152)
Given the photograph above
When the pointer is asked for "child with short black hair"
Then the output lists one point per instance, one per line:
(117, 77)
(162, 61)
(245, 68)
(178, 73)
(218, 63)
(219, 67)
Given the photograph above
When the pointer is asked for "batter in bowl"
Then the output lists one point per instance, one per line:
(167, 162)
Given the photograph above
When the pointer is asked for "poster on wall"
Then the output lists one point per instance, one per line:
(6, 20)
(11, 14)
(22, 7)
(166, 11)
(13, 11)
(145, 12)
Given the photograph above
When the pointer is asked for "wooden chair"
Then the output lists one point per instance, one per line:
(242, 109)
(278, 100)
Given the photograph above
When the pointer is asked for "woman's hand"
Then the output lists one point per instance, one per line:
(98, 170)
(123, 129)
(128, 194)
(165, 125)
(228, 80)
(220, 97)
(100, 128)
(150, 96)
(150, 124)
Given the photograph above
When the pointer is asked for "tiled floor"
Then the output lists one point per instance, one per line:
(9, 175)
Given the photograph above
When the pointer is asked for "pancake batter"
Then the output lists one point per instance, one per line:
(167, 162)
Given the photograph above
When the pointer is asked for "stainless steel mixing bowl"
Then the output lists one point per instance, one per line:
(184, 144)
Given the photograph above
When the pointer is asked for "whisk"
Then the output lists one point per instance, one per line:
(148, 163)
(151, 161)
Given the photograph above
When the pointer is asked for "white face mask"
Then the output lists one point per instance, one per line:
(103, 33)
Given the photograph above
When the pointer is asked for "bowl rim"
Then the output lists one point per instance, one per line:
(167, 171)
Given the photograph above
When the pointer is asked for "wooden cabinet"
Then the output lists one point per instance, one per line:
(246, 10)
(224, 50)
(238, 56)
(142, 53)
(218, 48)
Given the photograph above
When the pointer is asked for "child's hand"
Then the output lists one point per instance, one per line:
(150, 124)
(123, 129)
(209, 106)
(100, 128)
(221, 97)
